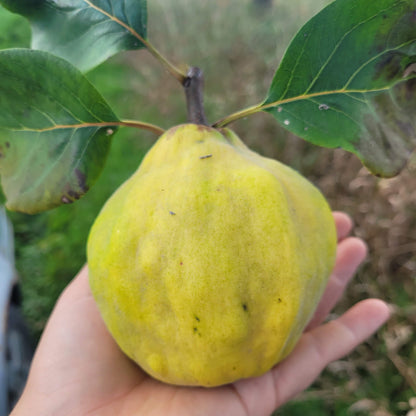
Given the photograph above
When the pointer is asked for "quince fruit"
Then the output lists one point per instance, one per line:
(208, 262)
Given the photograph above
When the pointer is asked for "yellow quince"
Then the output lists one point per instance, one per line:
(209, 261)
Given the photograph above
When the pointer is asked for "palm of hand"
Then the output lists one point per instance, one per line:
(78, 368)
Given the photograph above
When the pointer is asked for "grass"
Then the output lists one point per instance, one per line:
(239, 52)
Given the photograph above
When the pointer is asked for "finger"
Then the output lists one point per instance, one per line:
(350, 254)
(325, 344)
(343, 224)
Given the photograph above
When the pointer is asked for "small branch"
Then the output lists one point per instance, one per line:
(193, 86)
(238, 115)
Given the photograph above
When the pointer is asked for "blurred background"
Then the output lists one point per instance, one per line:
(238, 44)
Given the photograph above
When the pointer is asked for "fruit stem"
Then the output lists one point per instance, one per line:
(193, 86)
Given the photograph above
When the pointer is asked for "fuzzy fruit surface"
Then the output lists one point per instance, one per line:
(209, 261)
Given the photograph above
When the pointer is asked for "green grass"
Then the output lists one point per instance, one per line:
(239, 52)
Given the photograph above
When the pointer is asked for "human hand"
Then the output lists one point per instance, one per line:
(78, 369)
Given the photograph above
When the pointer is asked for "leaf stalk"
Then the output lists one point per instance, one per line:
(141, 125)
(238, 115)
(123, 123)
(172, 69)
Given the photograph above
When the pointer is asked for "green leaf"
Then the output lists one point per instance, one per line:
(15, 30)
(84, 32)
(55, 131)
(348, 80)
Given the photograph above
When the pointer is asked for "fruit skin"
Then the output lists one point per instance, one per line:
(209, 261)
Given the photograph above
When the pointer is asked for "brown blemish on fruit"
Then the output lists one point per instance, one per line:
(203, 128)
(171, 132)
(205, 157)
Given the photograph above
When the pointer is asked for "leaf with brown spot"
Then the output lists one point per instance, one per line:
(348, 80)
(55, 131)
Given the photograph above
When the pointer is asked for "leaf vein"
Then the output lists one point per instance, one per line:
(289, 83)
(338, 45)
(369, 61)
(46, 172)
(339, 111)
(117, 20)
(354, 97)
(321, 94)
